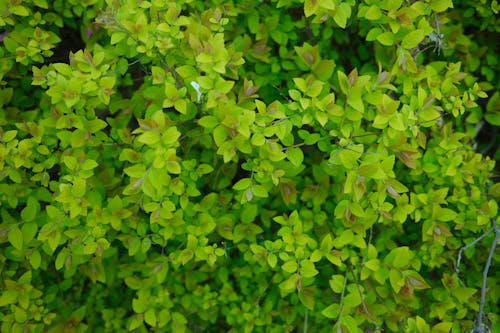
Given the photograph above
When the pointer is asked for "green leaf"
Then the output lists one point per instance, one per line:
(412, 39)
(439, 6)
(345, 238)
(181, 106)
(342, 13)
(116, 37)
(220, 135)
(15, 176)
(136, 171)
(443, 327)
(445, 214)
(373, 264)
(349, 156)
(134, 245)
(170, 136)
(150, 317)
(290, 266)
(415, 280)
(390, 4)
(327, 4)
(29, 230)
(373, 34)
(204, 169)
(29, 212)
(89, 165)
(145, 244)
(79, 187)
(41, 3)
(149, 138)
(397, 280)
(272, 260)
(294, 94)
(135, 322)
(208, 122)
(371, 170)
(179, 320)
(187, 71)
(307, 268)
(242, 184)
(355, 100)
(259, 191)
(258, 139)
(399, 257)
(35, 259)
(349, 324)
(493, 118)
(15, 237)
(10, 44)
(428, 116)
(8, 135)
(373, 13)
(352, 300)
(107, 82)
(343, 82)
(306, 297)
(295, 155)
(90, 247)
(8, 297)
(61, 259)
(337, 283)
(20, 315)
(70, 162)
(173, 167)
(386, 38)
(331, 311)
(396, 122)
(139, 305)
(315, 89)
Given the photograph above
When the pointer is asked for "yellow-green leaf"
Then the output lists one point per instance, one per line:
(295, 155)
(15, 237)
(412, 39)
(331, 311)
(373, 13)
(415, 280)
(35, 259)
(386, 38)
(150, 317)
(290, 266)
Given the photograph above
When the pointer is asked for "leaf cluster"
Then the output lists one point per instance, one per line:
(247, 166)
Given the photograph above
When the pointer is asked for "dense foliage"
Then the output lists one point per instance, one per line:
(249, 166)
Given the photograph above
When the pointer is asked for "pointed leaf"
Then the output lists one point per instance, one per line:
(15, 237)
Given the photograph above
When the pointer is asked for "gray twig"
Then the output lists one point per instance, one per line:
(479, 326)
(468, 246)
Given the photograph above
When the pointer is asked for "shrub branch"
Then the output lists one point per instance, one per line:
(479, 326)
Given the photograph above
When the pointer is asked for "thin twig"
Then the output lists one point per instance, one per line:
(341, 306)
(474, 242)
(365, 308)
(480, 327)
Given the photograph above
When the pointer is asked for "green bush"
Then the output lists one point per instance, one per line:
(249, 166)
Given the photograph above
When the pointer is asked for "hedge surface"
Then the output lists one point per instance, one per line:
(249, 166)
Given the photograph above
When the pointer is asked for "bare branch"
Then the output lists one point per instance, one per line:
(365, 308)
(468, 246)
(479, 326)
